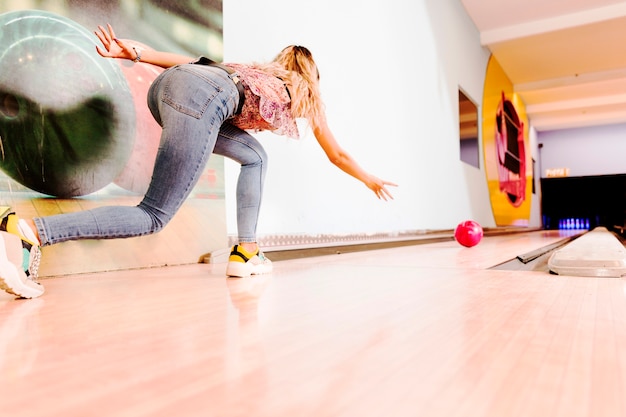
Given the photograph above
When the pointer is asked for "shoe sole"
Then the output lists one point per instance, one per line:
(12, 279)
(241, 270)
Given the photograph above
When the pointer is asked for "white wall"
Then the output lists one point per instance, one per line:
(585, 151)
(390, 74)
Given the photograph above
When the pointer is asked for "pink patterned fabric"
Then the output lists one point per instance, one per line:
(267, 105)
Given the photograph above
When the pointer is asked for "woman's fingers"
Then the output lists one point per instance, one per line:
(113, 47)
(381, 190)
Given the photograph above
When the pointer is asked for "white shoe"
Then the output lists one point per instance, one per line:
(19, 261)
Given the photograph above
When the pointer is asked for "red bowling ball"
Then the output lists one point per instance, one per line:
(468, 233)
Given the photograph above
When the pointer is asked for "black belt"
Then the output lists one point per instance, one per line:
(232, 75)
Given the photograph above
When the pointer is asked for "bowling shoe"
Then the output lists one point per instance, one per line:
(243, 264)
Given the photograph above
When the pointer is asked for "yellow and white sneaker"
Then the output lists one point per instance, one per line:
(242, 263)
(20, 256)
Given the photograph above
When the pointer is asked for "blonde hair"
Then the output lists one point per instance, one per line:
(296, 67)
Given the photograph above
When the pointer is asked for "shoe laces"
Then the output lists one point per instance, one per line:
(33, 265)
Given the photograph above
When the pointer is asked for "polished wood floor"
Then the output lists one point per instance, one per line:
(428, 330)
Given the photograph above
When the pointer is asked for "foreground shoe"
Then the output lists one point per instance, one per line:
(243, 264)
(20, 255)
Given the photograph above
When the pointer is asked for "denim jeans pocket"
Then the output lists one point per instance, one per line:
(190, 91)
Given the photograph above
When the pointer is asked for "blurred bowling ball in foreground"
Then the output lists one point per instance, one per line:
(67, 120)
(468, 233)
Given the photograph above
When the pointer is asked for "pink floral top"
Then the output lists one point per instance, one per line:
(267, 105)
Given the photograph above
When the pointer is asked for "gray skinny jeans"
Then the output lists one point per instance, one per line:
(192, 103)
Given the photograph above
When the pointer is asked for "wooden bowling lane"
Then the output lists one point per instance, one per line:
(425, 330)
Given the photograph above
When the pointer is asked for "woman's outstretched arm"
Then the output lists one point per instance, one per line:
(118, 48)
(339, 157)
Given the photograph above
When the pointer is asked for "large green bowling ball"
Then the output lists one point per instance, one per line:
(67, 119)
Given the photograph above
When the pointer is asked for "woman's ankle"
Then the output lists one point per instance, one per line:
(31, 225)
(250, 247)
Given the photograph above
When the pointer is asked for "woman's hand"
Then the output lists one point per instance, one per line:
(380, 187)
(113, 47)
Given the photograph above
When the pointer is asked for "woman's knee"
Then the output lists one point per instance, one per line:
(261, 158)
(158, 218)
